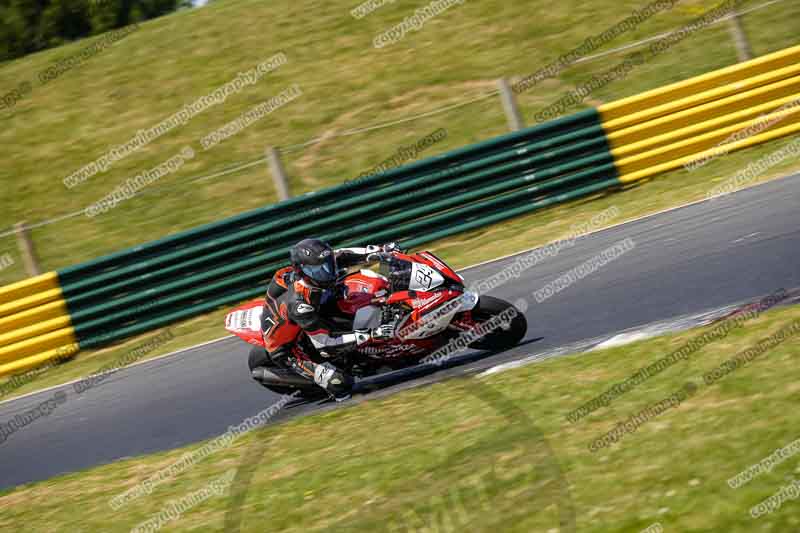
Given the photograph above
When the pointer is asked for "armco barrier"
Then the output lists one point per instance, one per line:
(672, 126)
(198, 270)
(35, 325)
(192, 272)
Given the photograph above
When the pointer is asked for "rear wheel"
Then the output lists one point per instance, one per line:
(258, 357)
(507, 333)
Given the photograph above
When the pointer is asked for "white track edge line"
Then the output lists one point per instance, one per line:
(132, 365)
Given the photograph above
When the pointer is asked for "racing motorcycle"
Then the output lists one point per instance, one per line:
(434, 316)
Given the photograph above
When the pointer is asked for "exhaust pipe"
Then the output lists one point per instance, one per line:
(267, 377)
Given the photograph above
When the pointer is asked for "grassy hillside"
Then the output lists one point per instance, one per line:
(153, 72)
(486, 454)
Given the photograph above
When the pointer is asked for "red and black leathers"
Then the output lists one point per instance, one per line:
(293, 304)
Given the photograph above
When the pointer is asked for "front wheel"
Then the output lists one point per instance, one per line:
(507, 324)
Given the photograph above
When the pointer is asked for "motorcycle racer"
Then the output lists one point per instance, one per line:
(304, 295)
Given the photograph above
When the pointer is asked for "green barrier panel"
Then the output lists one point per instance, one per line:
(522, 210)
(593, 162)
(238, 296)
(200, 269)
(78, 292)
(101, 339)
(588, 117)
(153, 298)
(603, 173)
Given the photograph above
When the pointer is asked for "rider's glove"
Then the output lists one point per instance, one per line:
(373, 253)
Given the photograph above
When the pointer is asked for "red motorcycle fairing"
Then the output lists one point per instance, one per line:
(245, 322)
(360, 289)
(432, 261)
(423, 325)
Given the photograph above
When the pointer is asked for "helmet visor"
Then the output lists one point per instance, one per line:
(324, 273)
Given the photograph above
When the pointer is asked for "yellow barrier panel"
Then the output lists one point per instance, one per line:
(37, 345)
(29, 302)
(668, 152)
(35, 361)
(693, 100)
(712, 80)
(759, 100)
(35, 330)
(717, 150)
(33, 316)
(28, 287)
(761, 117)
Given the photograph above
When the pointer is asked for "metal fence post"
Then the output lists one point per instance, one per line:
(26, 249)
(278, 173)
(513, 115)
(743, 49)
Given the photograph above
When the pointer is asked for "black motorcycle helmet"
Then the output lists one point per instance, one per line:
(315, 261)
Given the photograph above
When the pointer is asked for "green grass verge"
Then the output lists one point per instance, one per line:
(483, 454)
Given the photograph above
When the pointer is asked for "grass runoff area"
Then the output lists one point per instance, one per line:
(144, 78)
(702, 445)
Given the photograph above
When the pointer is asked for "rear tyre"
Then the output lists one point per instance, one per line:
(508, 334)
(259, 358)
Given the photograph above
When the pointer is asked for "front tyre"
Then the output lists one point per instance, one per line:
(505, 333)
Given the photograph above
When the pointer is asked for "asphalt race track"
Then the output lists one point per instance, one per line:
(687, 260)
